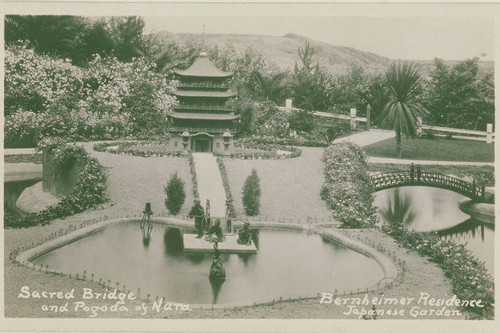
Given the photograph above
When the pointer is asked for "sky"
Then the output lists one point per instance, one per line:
(396, 38)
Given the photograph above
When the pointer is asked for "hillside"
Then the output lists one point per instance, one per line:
(282, 51)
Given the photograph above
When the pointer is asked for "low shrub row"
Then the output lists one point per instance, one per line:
(89, 190)
(130, 148)
(227, 189)
(470, 278)
(263, 151)
(196, 194)
(348, 188)
(288, 141)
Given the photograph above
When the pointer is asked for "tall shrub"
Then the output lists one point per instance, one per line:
(348, 188)
(251, 194)
(175, 194)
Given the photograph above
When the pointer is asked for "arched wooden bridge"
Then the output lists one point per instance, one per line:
(417, 178)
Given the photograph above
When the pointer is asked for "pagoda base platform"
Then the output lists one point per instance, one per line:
(193, 244)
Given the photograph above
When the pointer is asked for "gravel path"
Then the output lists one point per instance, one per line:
(290, 187)
(210, 183)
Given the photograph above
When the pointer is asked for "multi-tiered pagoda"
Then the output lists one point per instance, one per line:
(202, 120)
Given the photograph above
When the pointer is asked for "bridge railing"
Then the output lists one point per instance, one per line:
(391, 179)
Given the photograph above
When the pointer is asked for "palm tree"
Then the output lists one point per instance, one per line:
(45, 33)
(269, 87)
(400, 113)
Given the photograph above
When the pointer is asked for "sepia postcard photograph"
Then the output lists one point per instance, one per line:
(248, 166)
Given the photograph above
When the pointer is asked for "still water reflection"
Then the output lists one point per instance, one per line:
(288, 264)
(425, 209)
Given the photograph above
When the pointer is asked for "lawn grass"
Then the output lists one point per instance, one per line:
(28, 158)
(435, 149)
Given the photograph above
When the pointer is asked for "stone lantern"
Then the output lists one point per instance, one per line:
(226, 138)
(185, 141)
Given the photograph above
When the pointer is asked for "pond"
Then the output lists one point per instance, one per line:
(426, 209)
(12, 191)
(288, 264)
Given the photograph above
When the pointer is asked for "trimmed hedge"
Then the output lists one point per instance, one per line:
(290, 141)
(196, 194)
(469, 277)
(264, 151)
(227, 189)
(89, 190)
(125, 147)
(348, 188)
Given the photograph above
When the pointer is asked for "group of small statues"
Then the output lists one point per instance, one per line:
(215, 233)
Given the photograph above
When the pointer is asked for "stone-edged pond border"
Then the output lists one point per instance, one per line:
(386, 264)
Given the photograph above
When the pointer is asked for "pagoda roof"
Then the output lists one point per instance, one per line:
(202, 116)
(203, 67)
(201, 93)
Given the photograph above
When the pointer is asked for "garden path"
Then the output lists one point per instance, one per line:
(372, 159)
(368, 137)
(210, 184)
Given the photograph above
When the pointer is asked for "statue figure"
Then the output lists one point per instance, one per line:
(217, 271)
(199, 214)
(146, 225)
(215, 233)
(245, 234)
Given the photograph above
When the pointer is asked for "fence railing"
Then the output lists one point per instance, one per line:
(204, 85)
(193, 130)
(399, 178)
(203, 107)
(482, 135)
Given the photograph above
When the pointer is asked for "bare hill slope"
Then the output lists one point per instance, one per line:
(282, 51)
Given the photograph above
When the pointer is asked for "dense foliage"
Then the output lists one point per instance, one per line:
(458, 97)
(175, 194)
(89, 190)
(469, 277)
(251, 194)
(45, 97)
(348, 188)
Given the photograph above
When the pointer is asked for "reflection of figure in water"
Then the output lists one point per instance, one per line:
(199, 214)
(146, 225)
(217, 275)
(215, 233)
(245, 235)
(217, 271)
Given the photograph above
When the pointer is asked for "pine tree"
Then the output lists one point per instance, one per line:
(175, 194)
(251, 194)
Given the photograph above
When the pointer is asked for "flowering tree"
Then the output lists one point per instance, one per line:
(47, 97)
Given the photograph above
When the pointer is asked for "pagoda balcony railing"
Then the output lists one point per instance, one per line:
(204, 85)
(193, 130)
(203, 107)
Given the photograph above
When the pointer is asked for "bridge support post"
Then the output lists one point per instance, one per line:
(418, 173)
(412, 172)
(483, 192)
